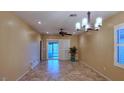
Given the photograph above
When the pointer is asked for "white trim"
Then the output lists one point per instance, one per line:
(119, 25)
(97, 71)
(22, 75)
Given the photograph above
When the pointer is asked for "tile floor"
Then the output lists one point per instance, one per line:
(55, 70)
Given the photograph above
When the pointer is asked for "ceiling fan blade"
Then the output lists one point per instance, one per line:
(69, 34)
(62, 33)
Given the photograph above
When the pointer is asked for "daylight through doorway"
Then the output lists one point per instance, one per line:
(53, 50)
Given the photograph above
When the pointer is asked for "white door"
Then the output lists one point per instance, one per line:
(64, 45)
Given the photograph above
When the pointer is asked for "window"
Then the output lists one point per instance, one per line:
(119, 46)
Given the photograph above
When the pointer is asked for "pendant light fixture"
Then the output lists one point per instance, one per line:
(86, 24)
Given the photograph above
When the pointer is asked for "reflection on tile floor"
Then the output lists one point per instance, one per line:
(55, 70)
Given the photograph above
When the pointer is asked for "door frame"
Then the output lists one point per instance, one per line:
(41, 50)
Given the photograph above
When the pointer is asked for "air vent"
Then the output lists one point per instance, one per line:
(73, 15)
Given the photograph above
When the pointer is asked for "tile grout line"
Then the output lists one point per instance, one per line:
(97, 71)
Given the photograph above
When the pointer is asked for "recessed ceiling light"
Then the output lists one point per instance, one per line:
(39, 22)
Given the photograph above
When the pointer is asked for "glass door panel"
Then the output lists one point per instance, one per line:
(53, 50)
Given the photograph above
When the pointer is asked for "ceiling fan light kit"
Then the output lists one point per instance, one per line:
(86, 24)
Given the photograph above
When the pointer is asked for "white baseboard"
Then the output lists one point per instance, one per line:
(27, 71)
(22, 75)
(97, 71)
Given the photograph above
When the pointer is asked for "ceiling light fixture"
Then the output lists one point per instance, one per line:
(39, 22)
(86, 24)
(47, 32)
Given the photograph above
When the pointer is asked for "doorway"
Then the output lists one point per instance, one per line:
(53, 50)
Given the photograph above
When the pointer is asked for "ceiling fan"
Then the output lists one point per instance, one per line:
(62, 33)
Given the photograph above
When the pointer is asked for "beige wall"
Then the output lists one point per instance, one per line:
(17, 43)
(73, 42)
(97, 48)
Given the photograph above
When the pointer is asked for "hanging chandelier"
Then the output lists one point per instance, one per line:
(87, 25)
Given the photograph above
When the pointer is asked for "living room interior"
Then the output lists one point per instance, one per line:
(61, 46)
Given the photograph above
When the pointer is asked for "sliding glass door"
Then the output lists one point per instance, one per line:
(53, 50)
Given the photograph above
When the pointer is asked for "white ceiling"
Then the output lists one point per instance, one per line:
(52, 21)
